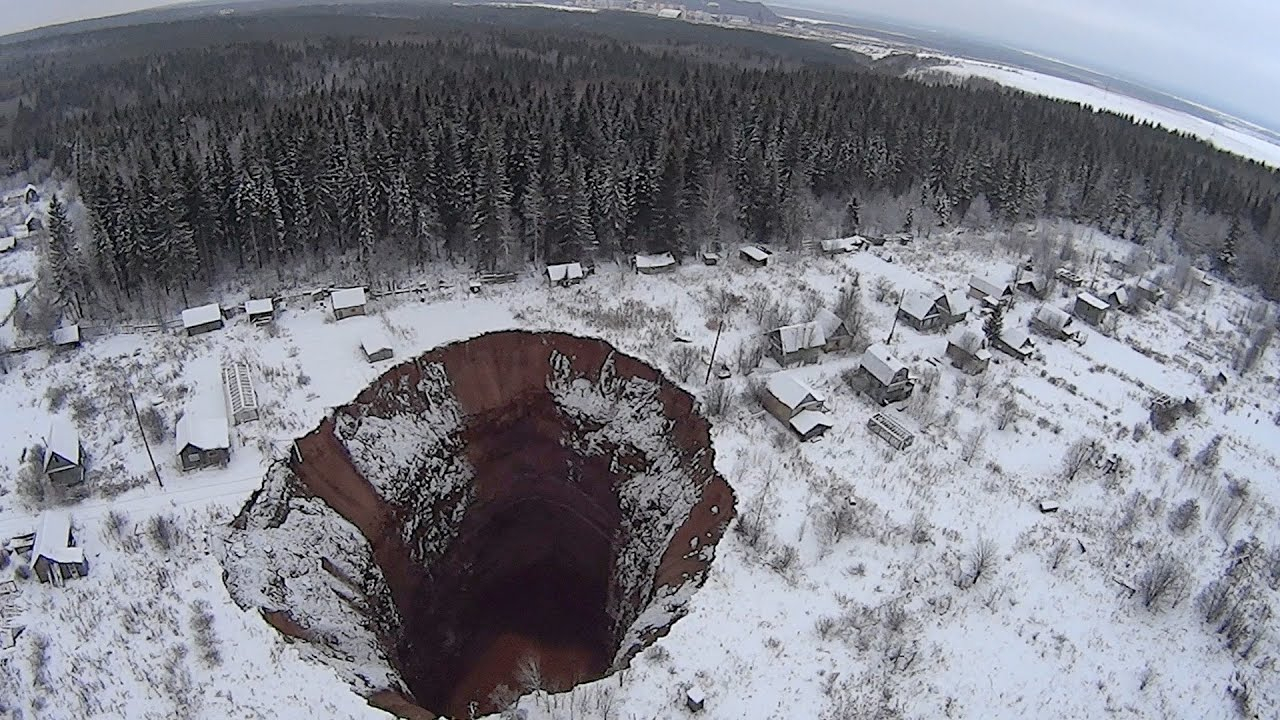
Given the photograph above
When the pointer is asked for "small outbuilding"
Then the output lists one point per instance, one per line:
(1070, 277)
(884, 378)
(919, 311)
(261, 311)
(66, 337)
(26, 196)
(694, 699)
(710, 258)
(203, 440)
(33, 223)
(348, 302)
(55, 557)
(63, 454)
(1035, 286)
(1053, 322)
(242, 399)
(7, 243)
(565, 274)
(1123, 298)
(797, 405)
(1148, 291)
(654, 264)
(891, 431)
(755, 255)
(375, 345)
(1090, 308)
(799, 343)
(1016, 342)
(835, 332)
(203, 319)
(840, 246)
(967, 350)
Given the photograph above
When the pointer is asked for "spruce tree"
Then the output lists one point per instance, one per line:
(993, 326)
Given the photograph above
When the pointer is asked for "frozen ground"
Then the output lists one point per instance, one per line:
(831, 609)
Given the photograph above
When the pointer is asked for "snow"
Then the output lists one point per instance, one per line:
(1052, 317)
(654, 262)
(957, 302)
(801, 336)
(8, 243)
(51, 539)
(259, 306)
(564, 271)
(881, 363)
(916, 304)
(66, 335)
(1092, 301)
(828, 322)
(197, 316)
(988, 286)
(806, 421)
(755, 253)
(204, 433)
(793, 392)
(63, 440)
(839, 245)
(374, 341)
(347, 298)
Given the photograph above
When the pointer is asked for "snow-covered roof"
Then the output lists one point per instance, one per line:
(205, 433)
(659, 260)
(881, 363)
(1148, 286)
(374, 340)
(969, 340)
(1093, 301)
(848, 244)
(1035, 281)
(29, 218)
(1016, 338)
(670, 13)
(987, 286)
(829, 322)
(64, 440)
(805, 421)
(1121, 294)
(53, 539)
(197, 316)
(259, 306)
(792, 391)
(916, 304)
(564, 271)
(344, 298)
(66, 335)
(801, 336)
(695, 694)
(957, 302)
(7, 243)
(1053, 317)
(755, 253)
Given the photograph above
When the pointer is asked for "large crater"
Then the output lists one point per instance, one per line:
(516, 502)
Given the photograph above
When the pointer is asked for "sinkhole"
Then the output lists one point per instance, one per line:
(518, 510)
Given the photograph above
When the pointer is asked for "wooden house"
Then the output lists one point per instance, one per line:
(1016, 342)
(66, 337)
(55, 557)
(838, 338)
(953, 307)
(840, 246)
(654, 264)
(988, 291)
(202, 439)
(63, 454)
(348, 302)
(884, 378)
(1148, 291)
(919, 311)
(1053, 322)
(261, 311)
(565, 274)
(891, 431)
(1090, 308)
(967, 350)
(755, 255)
(375, 345)
(202, 319)
(242, 399)
(1123, 298)
(1035, 286)
(798, 343)
(796, 405)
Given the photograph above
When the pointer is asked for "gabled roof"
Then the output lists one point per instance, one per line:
(53, 539)
(1017, 338)
(259, 306)
(1036, 282)
(830, 323)
(986, 286)
(971, 341)
(848, 244)
(197, 316)
(658, 260)
(64, 440)
(374, 340)
(1093, 301)
(792, 391)
(66, 335)
(1148, 286)
(916, 304)
(755, 253)
(956, 302)
(807, 420)
(7, 243)
(1052, 317)
(801, 336)
(1122, 296)
(346, 298)
(565, 271)
(881, 363)
(204, 433)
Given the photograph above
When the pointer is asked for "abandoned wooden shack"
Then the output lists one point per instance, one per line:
(1016, 342)
(967, 350)
(885, 379)
(261, 311)
(838, 338)
(66, 337)
(1123, 298)
(1090, 308)
(797, 405)
(565, 274)
(799, 343)
(654, 264)
(348, 302)
(63, 454)
(202, 319)
(202, 439)
(1035, 286)
(1148, 291)
(710, 258)
(840, 246)
(989, 291)
(1053, 322)
(242, 399)
(375, 345)
(1167, 410)
(891, 431)
(55, 557)
(919, 311)
(755, 255)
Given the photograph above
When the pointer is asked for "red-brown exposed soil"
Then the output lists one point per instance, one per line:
(530, 571)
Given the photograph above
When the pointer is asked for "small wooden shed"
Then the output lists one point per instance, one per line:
(919, 311)
(1053, 322)
(7, 243)
(63, 454)
(654, 264)
(967, 350)
(885, 377)
(1015, 342)
(375, 345)
(797, 405)
(710, 258)
(840, 246)
(834, 331)
(1091, 308)
(261, 311)
(66, 337)
(202, 319)
(565, 274)
(348, 302)
(755, 255)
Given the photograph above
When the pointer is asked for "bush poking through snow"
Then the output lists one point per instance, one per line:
(206, 636)
(1162, 584)
(684, 360)
(56, 397)
(154, 423)
(1080, 454)
(39, 658)
(717, 400)
(163, 532)
(980, 562)
(1185, 516)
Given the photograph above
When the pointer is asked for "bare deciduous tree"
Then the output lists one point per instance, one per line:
(1007, 411)
(980, 561)
(973, 443)
(1079, 454)
(1162, 583)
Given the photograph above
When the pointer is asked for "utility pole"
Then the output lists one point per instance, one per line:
(142, 431)
(714, 346)
(894, 324)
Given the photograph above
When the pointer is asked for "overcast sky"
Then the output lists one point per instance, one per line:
(1221, 53)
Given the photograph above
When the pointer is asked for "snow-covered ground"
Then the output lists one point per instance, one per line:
(834, 610)
(1235, 139)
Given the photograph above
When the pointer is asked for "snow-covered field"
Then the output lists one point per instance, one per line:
(943, 592)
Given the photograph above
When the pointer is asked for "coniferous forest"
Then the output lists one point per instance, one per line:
(476, 136)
